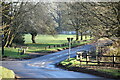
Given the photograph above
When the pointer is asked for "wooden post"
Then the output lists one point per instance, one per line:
(77, 55)
(59, 45)
(98, 59)
(86, 59)
(45, 48)
(113, 60)
(49, 46)
(24, 51)
(80, 57)
(62, 45)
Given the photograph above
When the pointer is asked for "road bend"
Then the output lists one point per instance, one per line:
(44, 67)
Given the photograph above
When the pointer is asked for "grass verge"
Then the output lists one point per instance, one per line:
(6, 73)
(103, 71)
(13, 53)
(39, 47)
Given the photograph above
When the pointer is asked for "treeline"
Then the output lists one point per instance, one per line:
(92, 18)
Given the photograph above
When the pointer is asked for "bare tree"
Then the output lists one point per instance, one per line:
(39, 21)
(25, 16)
(100, 18)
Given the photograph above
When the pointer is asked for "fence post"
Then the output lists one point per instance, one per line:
(45, 48)
(59, 45)
(80, 58)
(86, 59)
(113, 60)
(81, 55)
(49, 46)
(98, 61)
(77, 55)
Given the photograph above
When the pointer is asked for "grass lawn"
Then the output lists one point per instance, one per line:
(6, 73)
(48, 39)
(74, 63)
(45, 40)
(41, 42)
(36, 48)
(13, 53)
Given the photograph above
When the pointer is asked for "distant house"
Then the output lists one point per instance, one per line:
(73, 32)
(68, 32)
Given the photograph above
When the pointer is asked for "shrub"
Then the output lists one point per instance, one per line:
(113, 50)
(19, 39)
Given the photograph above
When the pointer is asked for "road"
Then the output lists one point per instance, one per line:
(44, 67)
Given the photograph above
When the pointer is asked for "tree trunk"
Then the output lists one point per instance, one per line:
(77, 34)
(81, 36)
(11, 40)
(85, 34)
(33, 38)
(90, 34)
(7, 40)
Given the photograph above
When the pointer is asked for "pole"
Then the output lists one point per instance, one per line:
(2, 40)
(2, 47)
(69, 43)
(69, 49)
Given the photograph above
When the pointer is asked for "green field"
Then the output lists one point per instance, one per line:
(41, 42)
(48, 39)
(45, 40)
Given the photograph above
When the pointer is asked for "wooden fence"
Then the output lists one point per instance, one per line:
(62, 45)
(98, 59)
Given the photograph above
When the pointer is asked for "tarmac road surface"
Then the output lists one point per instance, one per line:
(44, 67)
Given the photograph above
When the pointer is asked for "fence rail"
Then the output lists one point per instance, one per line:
(98, 59)
(65, 44)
